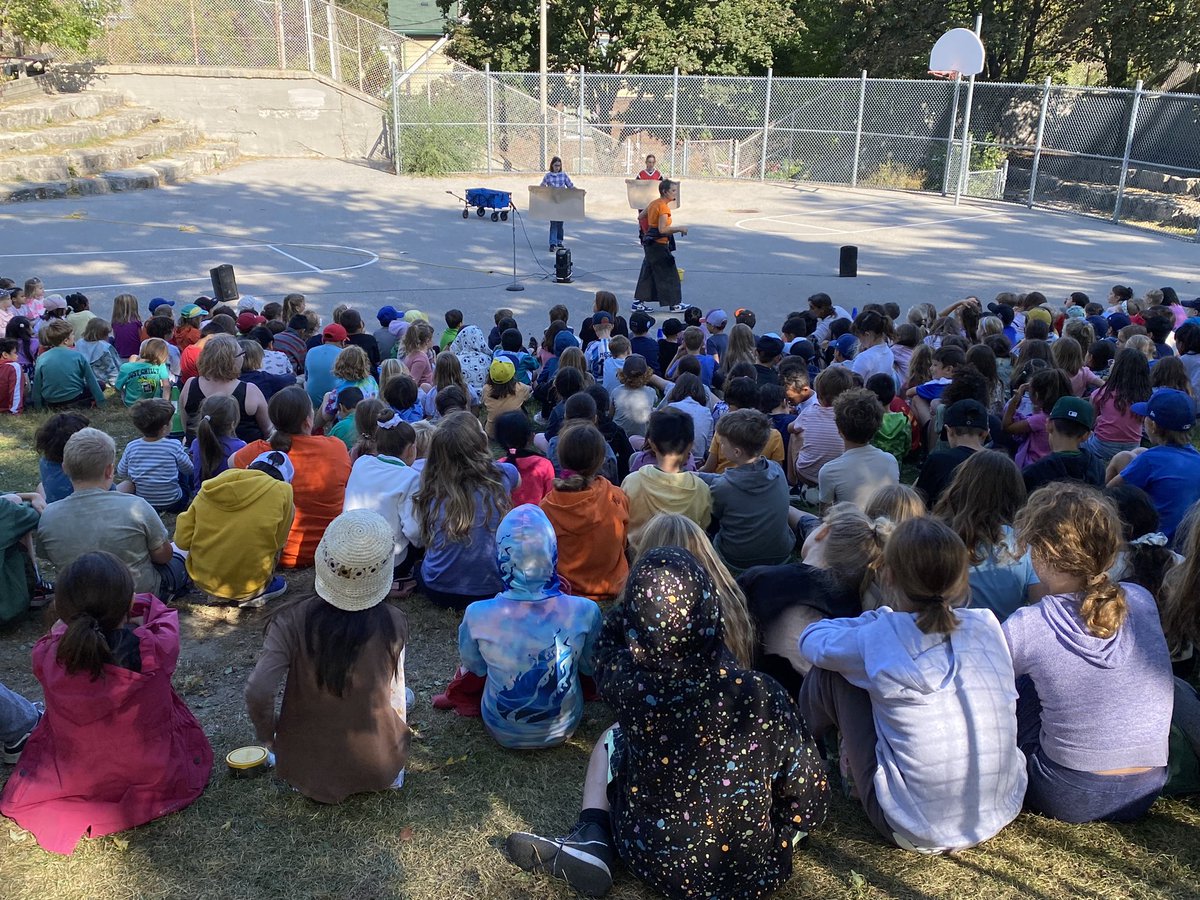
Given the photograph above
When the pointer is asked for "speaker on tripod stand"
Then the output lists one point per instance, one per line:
(224, 284)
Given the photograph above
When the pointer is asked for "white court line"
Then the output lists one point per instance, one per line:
(246, 276)
(293, 258)
(983, 215)
(119, 252)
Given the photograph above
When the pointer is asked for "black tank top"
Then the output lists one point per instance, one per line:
(247, 427)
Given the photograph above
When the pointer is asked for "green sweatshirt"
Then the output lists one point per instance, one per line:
(61, 375)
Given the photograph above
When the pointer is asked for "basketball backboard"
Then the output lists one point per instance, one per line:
(958, 51)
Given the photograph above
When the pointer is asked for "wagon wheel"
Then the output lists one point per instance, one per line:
(466, 213)
(481, 212)
(495, 217)
(504, 216)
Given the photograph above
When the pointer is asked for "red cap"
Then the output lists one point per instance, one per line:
(248, 320)
(335, 333)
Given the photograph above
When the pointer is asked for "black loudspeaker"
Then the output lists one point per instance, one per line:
(562, 265)
(848, 262)
(224, 285)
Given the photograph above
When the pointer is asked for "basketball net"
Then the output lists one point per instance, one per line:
(950, 75)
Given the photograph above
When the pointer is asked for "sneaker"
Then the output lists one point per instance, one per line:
(581, 859)
(12, 752)
(639, 306)
(680, 307)
(277, 587)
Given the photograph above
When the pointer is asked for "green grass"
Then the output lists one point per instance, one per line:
(440, 838)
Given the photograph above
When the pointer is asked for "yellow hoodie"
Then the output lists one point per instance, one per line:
(233, 530)
(651, 491)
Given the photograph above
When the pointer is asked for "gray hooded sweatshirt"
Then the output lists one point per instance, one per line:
(751, 504)
(950, 774)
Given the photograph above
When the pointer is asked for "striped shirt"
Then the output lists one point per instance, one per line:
(822, 442)
(154, 468)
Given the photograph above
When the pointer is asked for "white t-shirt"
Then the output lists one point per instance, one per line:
(857, 474)
(877, 360)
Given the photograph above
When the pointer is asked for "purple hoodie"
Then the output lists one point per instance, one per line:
(1106, 702)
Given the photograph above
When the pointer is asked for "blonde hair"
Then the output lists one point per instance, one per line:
(458, 479)
(252, 355)
(293, 305)
(739, 348)
(56, 333)
(424, 430)
(97, 329)
(1075, 530)
(337, 312)
(990, 325)
(87, 454)
(352, 364)
(673, 530)
(1080, 330)
(895, 502)
(1068, 355)
(389, 369)
(920, 366)
(1181, 589)
(155, 350)
(417, 336)
(125, 309)
(447, 371)
(926, 562)
(1143, 345)
(853, 546)
(573, 358)
(219, 360)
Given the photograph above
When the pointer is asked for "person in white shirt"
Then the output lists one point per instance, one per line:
(822, 306)
(874, 332)
(862, 469)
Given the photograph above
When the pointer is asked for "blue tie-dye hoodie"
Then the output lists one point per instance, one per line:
(531, 641)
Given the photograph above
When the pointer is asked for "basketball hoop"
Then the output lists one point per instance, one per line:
(950, 75)
(958, 52)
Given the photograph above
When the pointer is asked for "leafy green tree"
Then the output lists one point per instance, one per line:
(70, 24)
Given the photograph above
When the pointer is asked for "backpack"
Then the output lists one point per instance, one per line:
(894, 435)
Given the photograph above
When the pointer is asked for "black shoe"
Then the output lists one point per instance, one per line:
(581, 859)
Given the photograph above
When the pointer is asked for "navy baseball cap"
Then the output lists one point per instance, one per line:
(966, 414)
(160, 301)
(1099, 325)
(1169, 409)
(847, 345)
(1117, 321)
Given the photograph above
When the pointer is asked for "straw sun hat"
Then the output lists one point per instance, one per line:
(354, 561)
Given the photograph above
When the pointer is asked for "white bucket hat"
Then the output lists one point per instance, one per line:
(354, 561)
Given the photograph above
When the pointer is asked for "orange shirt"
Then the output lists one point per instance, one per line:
(322, 467)
(591, 527)
(660, 207)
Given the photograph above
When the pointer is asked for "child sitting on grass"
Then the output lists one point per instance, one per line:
(348, 399)
(531, 642)
(1169, 471)
(862, 469)
(62, 376)
(895, 432)
(815, 439)
(157, 468)
(741, 393)
(98, 350)
(384, 481)
(1044, 389)
(1092, 665)
(49, 441)
(694, 806)
(216, 440)
(14, 383)
(234, 529)
(147, 376)
(515, 435)
(1068, 427)
(502, 392)
(946, 361)
(590, 517)
(923, 700)
(633, 399)
(116, 747)
(750, 499)
(666, 486)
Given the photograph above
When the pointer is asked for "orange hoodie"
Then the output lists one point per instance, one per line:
(591, 526)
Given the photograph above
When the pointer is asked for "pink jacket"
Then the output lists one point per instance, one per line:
(109, 754)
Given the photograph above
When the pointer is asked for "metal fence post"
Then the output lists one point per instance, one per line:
(335, 57)
(580, 168)
(279, 36)
(674, 115)
(1133, 117)
(862, 99)
(308, 35)
(1037, 146)
(950, 136)
(762, 164)
(487, 76)
(965, 162)
(395, 116)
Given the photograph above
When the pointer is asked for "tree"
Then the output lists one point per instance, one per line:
(1136, 40)
(716, 37)
(70, 24)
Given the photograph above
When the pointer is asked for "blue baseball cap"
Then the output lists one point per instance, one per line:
(160, 301)
(387, 315)
(847, 345)
(1169, 409)
(1099, 325)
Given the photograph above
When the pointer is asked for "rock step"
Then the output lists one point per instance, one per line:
(151, 173)
(107, 126)
(158, 140)
(56, 109)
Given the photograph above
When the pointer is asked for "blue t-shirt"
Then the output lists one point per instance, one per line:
(55, 482)
(1171, 476)
(716, 344)
(468, 567)
(1001, 582)
(932, 390)
(318, 372)
(647, 348)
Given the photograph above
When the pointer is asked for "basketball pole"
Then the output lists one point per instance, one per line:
(965, 162)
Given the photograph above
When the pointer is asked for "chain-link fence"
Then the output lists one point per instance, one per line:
(1131, 156)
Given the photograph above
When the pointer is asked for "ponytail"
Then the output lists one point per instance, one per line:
(1103, 608)
(288, 409)
(82, 648)
(366, 423)
(218, 418)
(934, 615)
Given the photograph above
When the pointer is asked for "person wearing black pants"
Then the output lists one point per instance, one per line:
(658, 281)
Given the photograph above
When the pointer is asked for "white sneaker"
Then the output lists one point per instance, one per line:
(680, 307)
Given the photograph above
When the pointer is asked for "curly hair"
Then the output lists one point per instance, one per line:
(352, 364)
(1075, 530)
